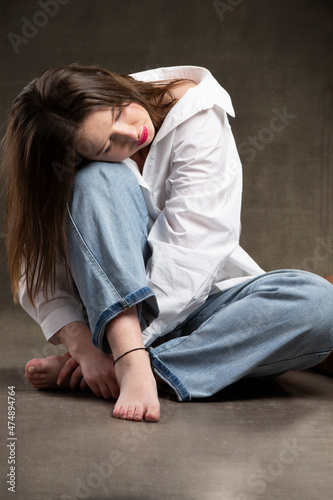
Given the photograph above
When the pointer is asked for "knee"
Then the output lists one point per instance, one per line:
(312, 297)
(94, 176)
(308, 286)
(303, 296)
(315, 287)
(321, 292)
(100, 183)
(103, 189)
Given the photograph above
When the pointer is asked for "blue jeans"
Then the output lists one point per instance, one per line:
(279, 321)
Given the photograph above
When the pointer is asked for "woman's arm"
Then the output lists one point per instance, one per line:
(199, 226)
(60, 309)
(61, 318)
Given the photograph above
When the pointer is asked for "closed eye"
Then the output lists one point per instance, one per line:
(119, 113)
(109, 147)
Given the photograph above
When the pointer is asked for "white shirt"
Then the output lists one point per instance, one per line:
(192, 186)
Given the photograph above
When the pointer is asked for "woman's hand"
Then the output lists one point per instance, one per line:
(98, 372)
(71, 372)
(95, 370)
(88, 366)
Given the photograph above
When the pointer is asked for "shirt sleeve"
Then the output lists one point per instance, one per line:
(61, 308)
(199, 226)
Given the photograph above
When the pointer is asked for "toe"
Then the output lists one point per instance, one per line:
(36, 365)
(123, 413)
(131, 411)
(116, 411)
(37, 385)
(138, 415)
(32, 365)
(35, 376)
(153, 413)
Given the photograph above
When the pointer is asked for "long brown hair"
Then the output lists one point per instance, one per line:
(39, 159)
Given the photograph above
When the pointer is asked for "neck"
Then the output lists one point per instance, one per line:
(140, 157)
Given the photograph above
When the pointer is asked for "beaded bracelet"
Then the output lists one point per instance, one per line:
(127, 352)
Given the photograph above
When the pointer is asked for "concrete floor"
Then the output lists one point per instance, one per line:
(270, 440)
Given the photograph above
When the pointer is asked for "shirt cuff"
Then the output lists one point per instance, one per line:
(57, 319)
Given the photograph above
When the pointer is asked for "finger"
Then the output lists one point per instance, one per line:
(95, 388)
(115, 391)
(105, 391)
(66, 370)
(109, 388)
(97, 391)
(75, 379)
(83, 385)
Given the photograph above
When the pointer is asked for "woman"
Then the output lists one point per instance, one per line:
(129, 189)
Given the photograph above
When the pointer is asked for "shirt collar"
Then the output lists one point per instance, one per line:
(207, 93)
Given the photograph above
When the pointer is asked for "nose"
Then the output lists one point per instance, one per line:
(125, 132)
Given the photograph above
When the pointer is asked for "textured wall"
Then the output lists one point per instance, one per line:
(274, 58)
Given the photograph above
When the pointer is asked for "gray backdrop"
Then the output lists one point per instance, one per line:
(274, 57)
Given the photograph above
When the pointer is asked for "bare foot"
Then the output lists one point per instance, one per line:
(138, 398)
(42, 373)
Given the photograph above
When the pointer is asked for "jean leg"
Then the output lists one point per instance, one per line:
(107, 231)
(276, 322)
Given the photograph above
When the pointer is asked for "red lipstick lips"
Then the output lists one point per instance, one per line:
(143, 137)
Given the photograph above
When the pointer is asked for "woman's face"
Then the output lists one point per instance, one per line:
(114, 134)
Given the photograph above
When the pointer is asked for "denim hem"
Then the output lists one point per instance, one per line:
(113, 311)
(163, 371)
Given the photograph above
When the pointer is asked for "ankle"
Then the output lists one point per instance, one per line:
(138, 358)
(128, 352)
